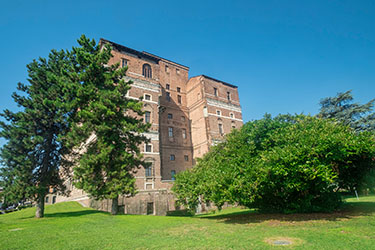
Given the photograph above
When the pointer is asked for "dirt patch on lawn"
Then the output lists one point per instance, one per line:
(284, 241)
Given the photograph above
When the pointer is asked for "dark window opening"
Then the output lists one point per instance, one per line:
(146, 71)
(179, 99)
(172, 157)
(147, 116)
(215, 91)
(173, 175)
(150, 208)
(178, 89)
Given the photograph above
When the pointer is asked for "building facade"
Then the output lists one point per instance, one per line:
(187, 116)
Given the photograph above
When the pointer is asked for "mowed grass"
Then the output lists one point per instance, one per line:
(71, 226)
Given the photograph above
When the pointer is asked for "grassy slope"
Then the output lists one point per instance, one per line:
(70, 226)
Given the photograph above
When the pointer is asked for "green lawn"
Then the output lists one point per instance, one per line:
(70, 226)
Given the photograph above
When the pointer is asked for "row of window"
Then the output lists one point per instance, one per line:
(146, 68)
(218, 112)
(216, 93)
(173, 157)
(168, 87)
(167, 70)
(170, 133)
(168, 97)
(170, 116)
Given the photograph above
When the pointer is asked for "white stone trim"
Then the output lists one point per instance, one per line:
(150, 153)
(153, 136)
(143, 84)
(226, 117)
(222, 98)
(220, 104)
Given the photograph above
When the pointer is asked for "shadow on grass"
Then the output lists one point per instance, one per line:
(349, 210)
(67, 214)
(74, 214)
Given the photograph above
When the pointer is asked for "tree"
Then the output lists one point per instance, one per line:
(106, 163)
(360, 117)
(286, 164)
(33, 154)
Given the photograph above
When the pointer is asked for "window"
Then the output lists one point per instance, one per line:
(170, 131)
(147, 116)
(231, 115)
(53, 199)
(178, 71)
(215, 91)
(148, 148)
(170, 116)
(166, 68)
(186, 157)
(218, 112)
(183, 118)
(172, 157)
(167, 86)
(228, 96)
(173, 175)
(168, 96)
(47, 199)
(221, 128)
(233, 124)
(146, 71)
(124, 63)
(147, 97)
(148, 171)
(178, 89)
(179, 99)
(184, 133)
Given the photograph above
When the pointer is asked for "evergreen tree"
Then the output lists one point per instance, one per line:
(107, 132)
(33, 153)
(360, 117)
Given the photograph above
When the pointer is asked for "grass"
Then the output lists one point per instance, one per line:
(71, 226)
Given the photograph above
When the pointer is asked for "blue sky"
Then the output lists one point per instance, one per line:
(283, 55)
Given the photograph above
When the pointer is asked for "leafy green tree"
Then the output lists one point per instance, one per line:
(33, 154)
(287, 164)
(360, 117)
(106, 128)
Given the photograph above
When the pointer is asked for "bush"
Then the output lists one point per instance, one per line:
(286, 164)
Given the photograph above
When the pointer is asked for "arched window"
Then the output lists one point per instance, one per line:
(146, 70)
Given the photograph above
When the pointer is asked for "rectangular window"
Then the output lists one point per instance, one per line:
(178, 89)
(124, 63)
(147, 116)
(168, 96)
(215, 91)
(53, 199)
(47, 199)
(228, 96)
(148, 171)
(167, 86)
(220, 128)
(147, 97)
(170, 131)
(148, 148)
(179, 99)
(178, 71)
(170, 116)
(173, 175)
(186, 157)
(231, 115)
(218, 112)
(184, 133)
(172, 157)
(166, 69)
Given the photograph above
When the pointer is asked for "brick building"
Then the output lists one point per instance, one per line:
(187, 117)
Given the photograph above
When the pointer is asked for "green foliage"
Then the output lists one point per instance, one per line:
(32, 155)
(107, 161)
(287, 164)
(360, 117)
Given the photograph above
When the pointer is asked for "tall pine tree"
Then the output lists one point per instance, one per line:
(360, 117)
(33, 154)
(107, 128)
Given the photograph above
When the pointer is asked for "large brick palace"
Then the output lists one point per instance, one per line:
(187, 117)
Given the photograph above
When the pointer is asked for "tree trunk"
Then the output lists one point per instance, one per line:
(114, 209)
(40, 206)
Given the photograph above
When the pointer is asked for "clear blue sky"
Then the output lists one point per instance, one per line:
(283, 55)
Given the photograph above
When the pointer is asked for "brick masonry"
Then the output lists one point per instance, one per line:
(188, 116)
